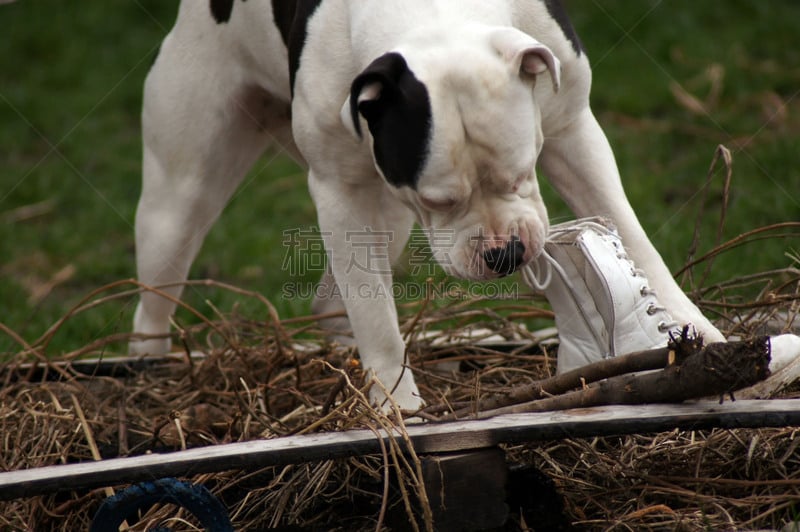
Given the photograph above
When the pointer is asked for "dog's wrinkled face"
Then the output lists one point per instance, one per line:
(456, 132)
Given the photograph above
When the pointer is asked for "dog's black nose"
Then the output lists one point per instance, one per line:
(505, 260)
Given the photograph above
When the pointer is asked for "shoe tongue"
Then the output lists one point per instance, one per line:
(594, 279)
(577, 317)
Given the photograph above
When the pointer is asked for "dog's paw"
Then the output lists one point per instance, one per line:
(405, 394)
(151, 346)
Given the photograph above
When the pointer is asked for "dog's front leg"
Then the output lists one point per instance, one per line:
(581, 166)
(359, 225)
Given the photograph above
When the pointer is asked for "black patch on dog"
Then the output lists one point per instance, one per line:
(400, 119)
(557, 11)
(291, 17)
(221, 10)
(505, 260)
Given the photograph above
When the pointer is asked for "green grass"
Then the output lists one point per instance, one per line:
(70, 97)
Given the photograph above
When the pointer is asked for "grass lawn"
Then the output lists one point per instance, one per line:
(672, 80)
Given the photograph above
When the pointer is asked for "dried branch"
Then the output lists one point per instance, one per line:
(679, 348)
(718, 369)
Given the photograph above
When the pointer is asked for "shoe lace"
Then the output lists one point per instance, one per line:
(538, 276)
(533, 272)
(667, 323)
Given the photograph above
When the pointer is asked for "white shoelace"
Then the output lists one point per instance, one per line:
(645, 291)
(531, 273)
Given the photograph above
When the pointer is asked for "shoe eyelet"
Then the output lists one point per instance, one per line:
(651, 309)
(663, 327)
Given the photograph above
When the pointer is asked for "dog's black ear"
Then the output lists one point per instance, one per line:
(383, 84)
(397, 109)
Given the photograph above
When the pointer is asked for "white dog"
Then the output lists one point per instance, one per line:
(434, 111)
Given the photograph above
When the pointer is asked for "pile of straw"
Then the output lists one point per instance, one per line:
(266, 378)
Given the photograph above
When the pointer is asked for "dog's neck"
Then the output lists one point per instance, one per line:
(419, 23)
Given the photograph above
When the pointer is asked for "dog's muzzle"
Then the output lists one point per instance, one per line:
(505, 261)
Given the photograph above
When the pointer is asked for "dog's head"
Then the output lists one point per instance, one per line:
(455, 130)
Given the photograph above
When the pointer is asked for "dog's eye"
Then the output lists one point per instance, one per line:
(438, 204)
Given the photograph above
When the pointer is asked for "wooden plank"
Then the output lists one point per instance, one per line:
(128, 366)
(122, 366)
(426, 438)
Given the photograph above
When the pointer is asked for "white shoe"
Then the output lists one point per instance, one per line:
(784, 367)
(602, 302)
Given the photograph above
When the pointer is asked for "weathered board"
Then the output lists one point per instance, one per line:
(122, 366)
(426, 438)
